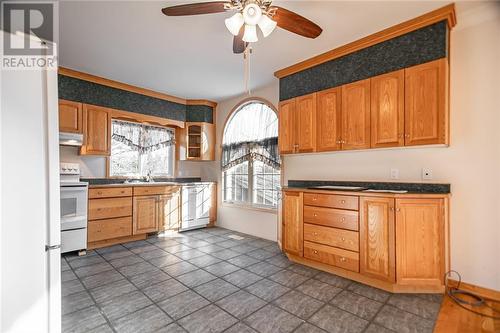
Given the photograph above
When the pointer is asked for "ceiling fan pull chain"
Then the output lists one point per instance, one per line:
(246, 57)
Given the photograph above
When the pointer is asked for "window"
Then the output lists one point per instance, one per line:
(138, 150)
(250, 156)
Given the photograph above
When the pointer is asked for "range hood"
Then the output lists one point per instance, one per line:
(70, 139)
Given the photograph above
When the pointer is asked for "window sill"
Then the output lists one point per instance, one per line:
(250, 207)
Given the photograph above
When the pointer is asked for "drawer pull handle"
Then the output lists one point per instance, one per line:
(99, 209)
(343, 219)
(343, 259)
(315, 215)
(314, 198)
(315, 233)
(343, 239)
(315, 251)
(342, 201)
(99, 192)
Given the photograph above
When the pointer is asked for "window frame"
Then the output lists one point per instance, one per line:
(249, 203)
(174, 151)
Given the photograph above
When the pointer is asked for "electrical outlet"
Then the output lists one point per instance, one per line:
(394, 173)
(426, 174)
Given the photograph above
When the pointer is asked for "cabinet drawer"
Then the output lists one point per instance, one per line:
(111, 192)
(331, 217)
(332, 256)
(109, 229)
(109, 208)
(331, 200)
(345, 239)
(154, 190)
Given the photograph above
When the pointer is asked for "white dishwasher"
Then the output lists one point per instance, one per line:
(196, 203)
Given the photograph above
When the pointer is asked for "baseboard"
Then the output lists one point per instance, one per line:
(486, 293)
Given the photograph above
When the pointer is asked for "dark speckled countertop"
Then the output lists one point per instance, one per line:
(111, 182)
(422, 188)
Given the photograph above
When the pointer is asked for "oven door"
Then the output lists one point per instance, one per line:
(73, 207)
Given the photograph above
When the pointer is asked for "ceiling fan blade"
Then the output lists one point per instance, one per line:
(239, 45)
(196, 8)
(295, 23)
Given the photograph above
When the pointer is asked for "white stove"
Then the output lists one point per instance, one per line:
(74, 194)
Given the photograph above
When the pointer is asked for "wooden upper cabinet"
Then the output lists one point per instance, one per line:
(328, 119)
(420, 245)
(356, 115)
(287, 126)
(306, 129)
(70, 116)
(377, 238)
(387, 110)
(96, 130)
(293, 235)
(426, 103)
(145, 214)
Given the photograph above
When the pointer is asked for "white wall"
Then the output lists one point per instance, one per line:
(471, 164)
(257, 223)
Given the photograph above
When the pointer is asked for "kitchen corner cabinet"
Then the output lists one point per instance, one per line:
(420, 241)
(426, 103)
(377, 238)
(96, 130)
(387, 110)
(70, 116)
(329, 120)
(196, 142)
(297, 125)
(356, 115)
(292, 223)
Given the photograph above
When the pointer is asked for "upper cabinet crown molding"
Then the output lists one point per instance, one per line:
(138, 90)
(444, 13)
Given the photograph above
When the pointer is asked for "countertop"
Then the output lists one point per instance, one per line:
(411, 188)
(116, 182)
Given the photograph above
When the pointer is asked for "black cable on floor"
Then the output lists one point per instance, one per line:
(455, 292)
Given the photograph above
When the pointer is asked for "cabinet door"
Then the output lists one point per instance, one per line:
(306, 115)
(377, 243)
(169, 211)
(70, 116)
(207, 142)
(97, 130)
(426, 109)
(387, 110)
(292, 223)
(356, 115)
(420, 242)
(328, 117)
(287, 126)
(145, 214)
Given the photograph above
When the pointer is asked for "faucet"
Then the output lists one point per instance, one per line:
(148, 177)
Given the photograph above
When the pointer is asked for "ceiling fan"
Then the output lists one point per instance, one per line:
(250, 14)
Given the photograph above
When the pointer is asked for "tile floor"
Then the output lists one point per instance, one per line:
(205, 281)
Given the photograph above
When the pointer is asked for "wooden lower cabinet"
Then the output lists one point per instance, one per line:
(420, 242)
(292, 223)
(400, 247)
(109, 208)
(169, 216)
(109, 228)
(145, 217)
(377, 238)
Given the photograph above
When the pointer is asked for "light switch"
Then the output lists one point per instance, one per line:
(394, 173)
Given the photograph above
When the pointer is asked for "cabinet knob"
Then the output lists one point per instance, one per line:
(398, 210)
(315, 251)
(343, 219)
(342, 201)
(315, 215)
(343, 259)
(99, 192)
(314, 198)
(342, 239)
(315, 233)
(391, 209)
(407, 135)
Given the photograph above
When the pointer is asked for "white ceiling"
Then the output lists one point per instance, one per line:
(191, 56)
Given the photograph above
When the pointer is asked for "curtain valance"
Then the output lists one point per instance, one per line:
(141, 137)
(265, 150)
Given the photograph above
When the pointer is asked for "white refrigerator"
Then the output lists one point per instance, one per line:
(30, 280)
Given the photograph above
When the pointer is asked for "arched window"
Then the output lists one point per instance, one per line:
(250, 155)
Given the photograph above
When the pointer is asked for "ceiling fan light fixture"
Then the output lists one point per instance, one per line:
(250, 35)
(266, 25)
(234, 23)
(252, 14)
